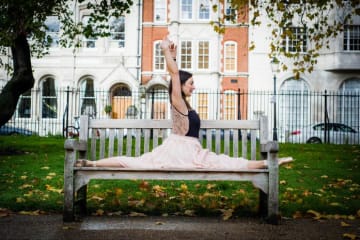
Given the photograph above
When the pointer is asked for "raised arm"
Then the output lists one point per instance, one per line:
(169, 50)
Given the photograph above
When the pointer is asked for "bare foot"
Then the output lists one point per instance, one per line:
(285, 160)
(84, 163)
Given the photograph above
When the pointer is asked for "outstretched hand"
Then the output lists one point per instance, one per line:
(167, 44)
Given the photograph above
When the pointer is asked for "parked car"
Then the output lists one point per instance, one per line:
(337, 133)
(10, 130)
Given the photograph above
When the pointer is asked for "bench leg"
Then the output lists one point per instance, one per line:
(68, 209)
(263, 204)
(81, 200)
(273, 215)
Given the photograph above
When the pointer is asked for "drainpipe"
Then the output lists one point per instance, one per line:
(139, 48)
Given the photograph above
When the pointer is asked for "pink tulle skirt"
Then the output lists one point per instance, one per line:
(181, 152)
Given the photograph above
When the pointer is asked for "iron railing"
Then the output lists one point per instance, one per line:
(51, 115)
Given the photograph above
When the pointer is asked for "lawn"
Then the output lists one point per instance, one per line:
(323, 181)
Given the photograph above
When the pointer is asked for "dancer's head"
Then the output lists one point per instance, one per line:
(187, 85)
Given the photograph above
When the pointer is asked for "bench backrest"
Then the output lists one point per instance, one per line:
(132, 137)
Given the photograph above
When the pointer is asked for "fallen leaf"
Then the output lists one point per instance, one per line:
(136, 214)
(20, 200)
(33, 213)
(159, 223)
(344, 224)
(189, 213)
(227, 214)
(45, 168)
(99, 212)
(25, 186)
(282, 182)
(97, 198)
(297, 214)
(315, 215)
(349, 236)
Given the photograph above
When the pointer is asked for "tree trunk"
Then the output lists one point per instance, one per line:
(21, 81)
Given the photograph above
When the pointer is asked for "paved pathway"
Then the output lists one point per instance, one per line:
(189, 228)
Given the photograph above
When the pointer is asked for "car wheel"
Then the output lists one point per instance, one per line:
(314, 140)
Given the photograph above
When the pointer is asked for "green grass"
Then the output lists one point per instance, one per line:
(324, 178)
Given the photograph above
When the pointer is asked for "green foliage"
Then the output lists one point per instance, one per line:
(18, 17)
(323, 182)
(321, 19)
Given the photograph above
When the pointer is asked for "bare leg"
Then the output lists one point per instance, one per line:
(106, 162)
(263, 163)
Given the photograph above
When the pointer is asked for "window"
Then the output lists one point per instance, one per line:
(24, 107)
(230, 57)
(160, 11)
(230, 12)
(158, 101)
(186, 9)
(159, 58)
(294, 104)
(203, 105)
(88, 42)
(49, 100)
(295, 39)
(230, 105)
(117, 32)
(52, 24)
(204, 9)
(87, 98)
(121, 101)
(185, 55)
(203, 55)
(352, 38)
(348, 107)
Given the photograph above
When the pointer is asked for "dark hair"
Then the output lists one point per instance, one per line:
(184, 76)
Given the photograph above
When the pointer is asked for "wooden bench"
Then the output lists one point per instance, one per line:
(100, 138)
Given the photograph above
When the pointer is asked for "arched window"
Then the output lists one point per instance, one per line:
(24, 107)
(293, 99)
(48, 98)
(121, 101)
(87, 98)
(348, 103)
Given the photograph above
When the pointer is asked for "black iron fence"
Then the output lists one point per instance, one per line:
(55, 112)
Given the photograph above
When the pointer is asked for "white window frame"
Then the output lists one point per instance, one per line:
(347, 109)
(159, 58)
(229, 10)
(351, 41)
(24, 105)
(299, 35)
(186, 55)
(120, 42)
(47, 99)
(89, 43)
(83, 98)
(205, 61)
(294, 105)
(230, 108)
(187, 5)
(53, 30)
(160, 11)
(206, 6)
(228, 57)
